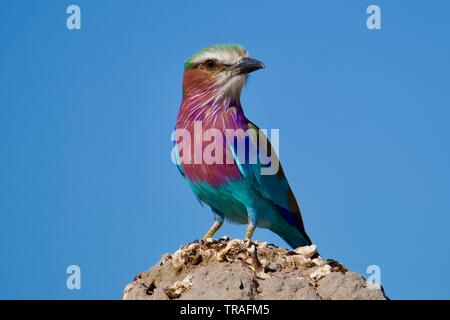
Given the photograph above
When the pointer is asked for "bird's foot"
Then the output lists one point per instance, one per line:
(212, 230)
(250, 229)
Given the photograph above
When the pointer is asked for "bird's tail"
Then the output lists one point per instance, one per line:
(294, 237)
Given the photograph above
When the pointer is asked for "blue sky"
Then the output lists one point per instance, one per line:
(86, 118)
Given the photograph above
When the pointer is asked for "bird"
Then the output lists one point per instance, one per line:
(236, 191)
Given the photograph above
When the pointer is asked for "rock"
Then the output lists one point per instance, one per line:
(318, 262)
(338, 286)
(243, 270)
(300, 261)
(320, 273)
(221, 255)
(307, 251)
(175, 290)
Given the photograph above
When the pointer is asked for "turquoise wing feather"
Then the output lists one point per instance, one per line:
(273, 187)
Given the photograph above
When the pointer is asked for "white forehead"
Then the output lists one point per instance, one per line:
(222, 55)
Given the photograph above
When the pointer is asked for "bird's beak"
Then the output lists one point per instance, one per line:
(247, 65)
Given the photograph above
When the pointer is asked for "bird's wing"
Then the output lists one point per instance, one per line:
(273, 187)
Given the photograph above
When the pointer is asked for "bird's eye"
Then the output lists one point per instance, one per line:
(210, 63)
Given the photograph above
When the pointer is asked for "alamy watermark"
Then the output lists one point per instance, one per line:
(374, 279)
(73, 21)
(231, 146)
(373, 22)
(73, 281)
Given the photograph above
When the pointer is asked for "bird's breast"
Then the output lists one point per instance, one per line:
(206, 156)
(202, 138)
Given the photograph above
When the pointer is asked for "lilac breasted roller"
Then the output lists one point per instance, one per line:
(237, 190)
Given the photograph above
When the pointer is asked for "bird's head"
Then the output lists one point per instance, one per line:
(221, 70)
